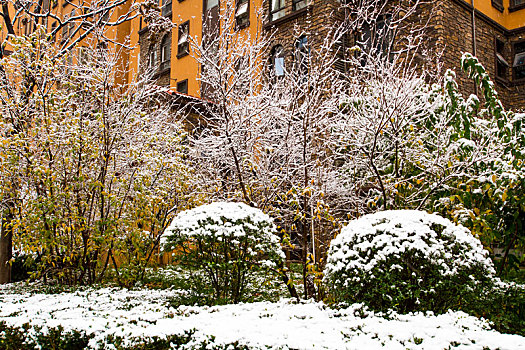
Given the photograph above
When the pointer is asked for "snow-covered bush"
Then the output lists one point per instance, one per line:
(225, 245)
(406, 260)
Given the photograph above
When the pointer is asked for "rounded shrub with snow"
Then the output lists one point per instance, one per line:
(226, 247)
(406, 260)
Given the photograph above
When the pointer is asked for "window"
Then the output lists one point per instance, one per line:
(498, 4)
(298, 5)
(105, 16)
(302, 55)
(519, 60)
(211, 4)
(69, 62)
(516, 5)
(277, 61)
(182, 86)
(242, 13)
(25, 26)
(242, 77)
(71, 28)
(183, 45)
(102, 52)
(277, 9)
(152, 59)
(83, 56)
(501, 62)
(65, 28)
(165, 53)
(54, 26)
(376, 39)
(166, 8)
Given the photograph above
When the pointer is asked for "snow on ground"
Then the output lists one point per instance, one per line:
(281, 325)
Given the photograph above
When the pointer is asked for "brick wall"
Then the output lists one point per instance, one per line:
(152, 42)
(314, 21)
(453, 27)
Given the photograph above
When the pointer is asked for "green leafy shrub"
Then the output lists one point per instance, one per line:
(224, 246)
(503, 304)
(407, 261)
(19, 338)
(23, 266)
(13, 338)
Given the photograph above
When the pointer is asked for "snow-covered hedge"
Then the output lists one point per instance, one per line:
(406, 260)
(226, 244)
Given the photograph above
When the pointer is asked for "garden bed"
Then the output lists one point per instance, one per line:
(120, 318)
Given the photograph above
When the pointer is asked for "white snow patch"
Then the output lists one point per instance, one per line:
(281, 325)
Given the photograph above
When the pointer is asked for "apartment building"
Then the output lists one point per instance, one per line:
(493, 30)
(169, 52)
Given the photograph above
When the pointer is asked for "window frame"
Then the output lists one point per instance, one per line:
(499, 59)
(243, 20)
(281, 11)
(183, 49)
(295, 2)
(514, 6)
(165, 56)
(277, 52)
(515, 58)
(498, 5)
(180, 83)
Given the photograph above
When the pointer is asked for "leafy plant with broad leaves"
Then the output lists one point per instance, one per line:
(489, 197)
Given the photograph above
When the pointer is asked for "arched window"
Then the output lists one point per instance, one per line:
(302, 52)
(165, 52)
(277, 61)
(152, 59)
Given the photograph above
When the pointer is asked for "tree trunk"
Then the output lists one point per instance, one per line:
(6, 248)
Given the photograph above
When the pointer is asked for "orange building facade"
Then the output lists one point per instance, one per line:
(493, 29)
